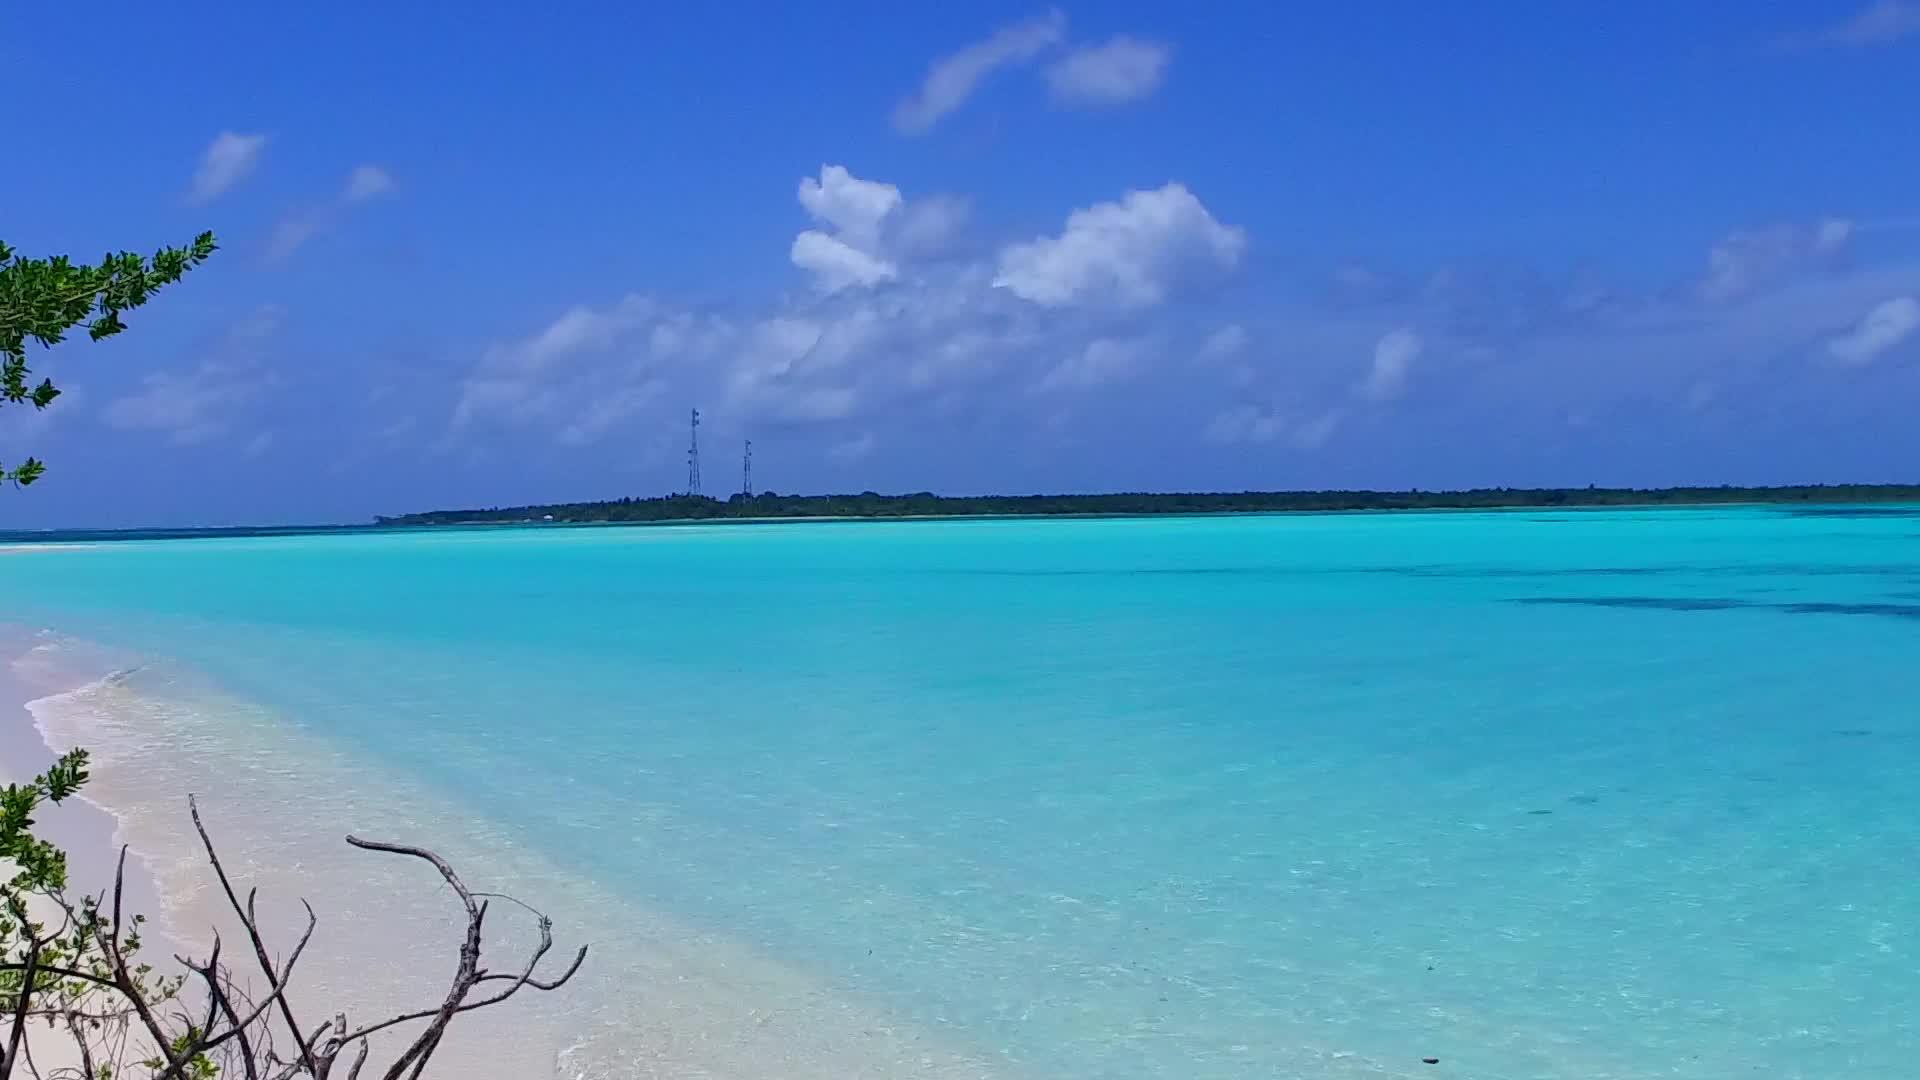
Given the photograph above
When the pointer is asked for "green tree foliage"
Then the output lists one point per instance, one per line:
(42, 299)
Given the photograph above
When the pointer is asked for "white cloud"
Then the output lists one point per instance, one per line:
(1124, 253)
(856, 210)
(952, 79)
(1101, 361)
(1747, 259)
(868, 229)
(578, 328)
(836, 264)
(851, 205)
(365, 182)
(202, 402)
(1887, 325)
(293, 231)
(1880, 23)
(1393, 357)
(606, 411)
(589, 370)
(1122, 69)
(1255, 425)
(793, 369)
(181, 405)
(227, 161)
(258, 445)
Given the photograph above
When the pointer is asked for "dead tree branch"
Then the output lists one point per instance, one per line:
(84, 978)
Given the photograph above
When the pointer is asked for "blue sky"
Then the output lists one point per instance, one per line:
(968, 248)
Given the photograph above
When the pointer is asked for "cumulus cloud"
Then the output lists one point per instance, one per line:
(837, 264)
(229, 159)
(855, 211)
(1747, 259)
(1888, 324)
(1393, 357)
(953, 79)
(366, 182)
(868, 229)
(861, 218)
(1124, 253)
(1121, 70)
(853, 206)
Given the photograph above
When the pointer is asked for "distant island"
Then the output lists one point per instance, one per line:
(770, 506)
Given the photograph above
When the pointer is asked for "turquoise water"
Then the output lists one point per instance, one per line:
(1588, 794)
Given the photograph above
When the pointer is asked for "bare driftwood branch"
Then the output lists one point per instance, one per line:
(104, 999)
(464, 979)
(253, 929)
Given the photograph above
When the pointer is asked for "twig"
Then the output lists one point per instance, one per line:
(212, 976)
(66, 973)
(19, 1030)
(464, 977)
(86, 1052)
(253, 932)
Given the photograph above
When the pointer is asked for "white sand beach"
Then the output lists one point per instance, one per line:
(655, 999)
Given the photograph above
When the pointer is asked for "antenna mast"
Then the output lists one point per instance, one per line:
(693, 456)
(746, 471)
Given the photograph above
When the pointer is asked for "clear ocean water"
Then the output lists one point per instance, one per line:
(1621, 794)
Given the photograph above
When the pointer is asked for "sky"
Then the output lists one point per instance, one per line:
(496, 258)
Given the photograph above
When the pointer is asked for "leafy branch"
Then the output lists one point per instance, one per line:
(42, 299)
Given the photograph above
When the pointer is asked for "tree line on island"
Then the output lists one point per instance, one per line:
(770, 505)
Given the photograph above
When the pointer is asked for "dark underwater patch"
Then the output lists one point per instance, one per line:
(1884, 610)
(1850, 511)
(1881, 609)
(1653, 603)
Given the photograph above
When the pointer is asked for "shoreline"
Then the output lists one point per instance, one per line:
(89, 831)
(656, 997)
